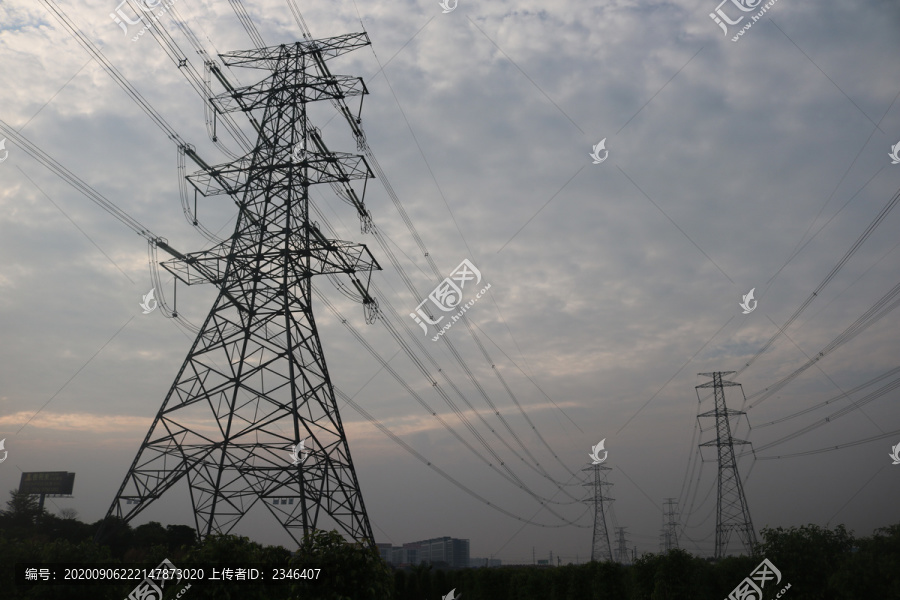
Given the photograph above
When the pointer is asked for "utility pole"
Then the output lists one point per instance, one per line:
(601, 549)
(251, 417)
(670, 525)
(732, 512)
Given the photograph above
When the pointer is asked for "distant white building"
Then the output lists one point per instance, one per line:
(385, 550)
(445, 550)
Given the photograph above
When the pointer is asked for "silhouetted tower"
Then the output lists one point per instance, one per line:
(732, 513)
(670, 525)
(255, 384)
(621, 546)
(601, 549)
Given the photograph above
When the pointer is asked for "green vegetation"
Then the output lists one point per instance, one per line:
(818, 563)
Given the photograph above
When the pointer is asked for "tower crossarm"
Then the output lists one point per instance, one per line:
(721, 382)
(231, 178)
(197, 267)
(194, 268)
(355, 260)
(312, 89)
(712, 384)
(228, 178)
(722, 412)
(326, 257)
(339, 256)
(718, 443)
(267, 58)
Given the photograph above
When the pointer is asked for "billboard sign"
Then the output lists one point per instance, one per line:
(47, 482)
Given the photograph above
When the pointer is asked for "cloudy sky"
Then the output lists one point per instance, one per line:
(731, 166)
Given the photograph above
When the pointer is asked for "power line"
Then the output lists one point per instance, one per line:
(879, 218)
(841, 396)
(875, 313)
(833, 448)
(397, 440)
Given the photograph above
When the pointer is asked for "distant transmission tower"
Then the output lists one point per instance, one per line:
(621, 546)
(251, 417)
(670, 525)
(601, 550)
(732, 513)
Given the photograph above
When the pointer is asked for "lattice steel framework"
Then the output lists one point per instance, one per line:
(670, 525)
(732, 512)
(255, 383)
(601, 549)
(621, 546)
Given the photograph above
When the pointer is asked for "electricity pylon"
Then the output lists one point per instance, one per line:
(254, 385)
(732, 512)
(621, 546)
(601, 550)
(670, 525)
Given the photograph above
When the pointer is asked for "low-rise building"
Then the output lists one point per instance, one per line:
(443, 551)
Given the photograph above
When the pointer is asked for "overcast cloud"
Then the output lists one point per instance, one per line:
(612, 285)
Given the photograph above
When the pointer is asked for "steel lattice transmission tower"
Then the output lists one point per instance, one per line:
(601, 549)
(732, 512)
(621, 546)
(670, 525)
(255, 383)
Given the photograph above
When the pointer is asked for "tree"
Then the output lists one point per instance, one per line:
(21, 509)
(674, 577)
(68, 514)
(117, 534)
(873, 568)
(150, 534)
(181, 536)
(806, 556)
(349, 571)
